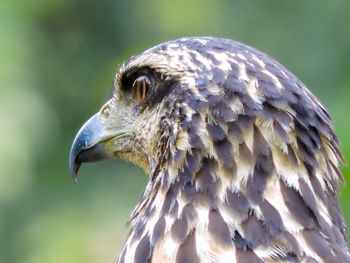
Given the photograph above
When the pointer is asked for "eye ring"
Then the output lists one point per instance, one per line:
(140, 86)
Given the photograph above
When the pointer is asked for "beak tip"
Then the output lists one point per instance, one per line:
(75, 176)
(74, 163)
(74, 167)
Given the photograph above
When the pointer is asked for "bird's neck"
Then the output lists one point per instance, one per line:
(245, 199)
(180, 203)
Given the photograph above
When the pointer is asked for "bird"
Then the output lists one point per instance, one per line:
(242, 159)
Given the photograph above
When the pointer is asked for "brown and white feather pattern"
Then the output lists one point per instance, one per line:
(247, 163)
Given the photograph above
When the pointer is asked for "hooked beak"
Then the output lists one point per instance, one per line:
(90, 144)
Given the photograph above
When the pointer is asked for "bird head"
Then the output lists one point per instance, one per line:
(155, 96)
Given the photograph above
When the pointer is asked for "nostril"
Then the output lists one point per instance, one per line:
(105, 111)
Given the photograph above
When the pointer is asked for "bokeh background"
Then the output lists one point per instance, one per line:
(57, 63)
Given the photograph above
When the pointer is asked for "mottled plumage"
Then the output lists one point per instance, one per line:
(242, 159)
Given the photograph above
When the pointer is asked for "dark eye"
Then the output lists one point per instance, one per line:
(141, 87)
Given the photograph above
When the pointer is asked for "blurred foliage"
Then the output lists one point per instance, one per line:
(57, 63)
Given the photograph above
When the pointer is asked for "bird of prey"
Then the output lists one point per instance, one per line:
(242, 159)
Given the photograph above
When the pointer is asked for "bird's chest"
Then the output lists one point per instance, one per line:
(171, 240)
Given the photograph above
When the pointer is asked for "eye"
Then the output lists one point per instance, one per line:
(141, 87)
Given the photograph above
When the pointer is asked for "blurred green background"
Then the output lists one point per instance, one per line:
(57, 63)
